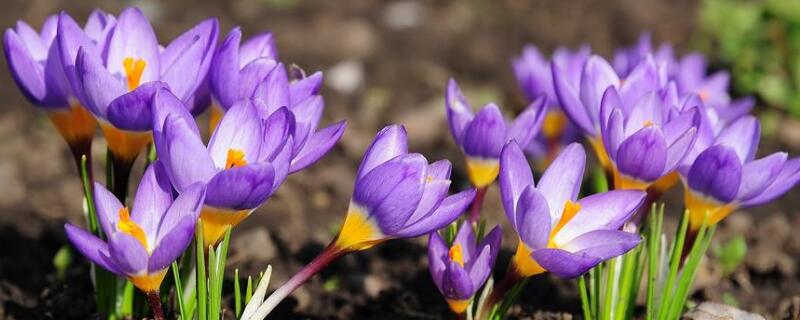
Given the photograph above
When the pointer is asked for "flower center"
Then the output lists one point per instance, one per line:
(235, 159)
(570, 210)
(456, 255)
(647, 123)
(129, 227)
(554, 124)
(703, 94)
(134, 68)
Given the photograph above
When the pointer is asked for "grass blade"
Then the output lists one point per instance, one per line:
(179, 291)
(202, 292)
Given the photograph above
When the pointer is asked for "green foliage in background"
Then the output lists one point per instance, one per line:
(760, 42)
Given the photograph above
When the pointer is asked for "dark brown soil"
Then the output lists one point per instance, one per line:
(404, 69)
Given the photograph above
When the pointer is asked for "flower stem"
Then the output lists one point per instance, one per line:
(121, 169)
(501, 289)
(155, 303)
(475, 208)
(331, 253)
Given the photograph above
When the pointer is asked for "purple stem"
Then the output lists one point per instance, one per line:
(155, 303)
(475, 208)
(327, 256)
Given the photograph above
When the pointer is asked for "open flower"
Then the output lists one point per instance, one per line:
(142, 241)
(726, 176)
(246, 159)
(481, 136)
(712, 90)
(647, 140)
(460, 269)
(397, 195)
(535, 78)
(35, 64)
(559, 233)
(118, 83)
(627, 58)
(251, 71)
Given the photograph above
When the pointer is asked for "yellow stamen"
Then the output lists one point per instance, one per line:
(647, 123)
(456, 255)
(704, 209)
(216, 221)
(358, 231)
(129, 227)
(134, 68)
(125, 145)
(149, 282)
(214, 118)
(570, 210)
(482, 172)
(458, 306)
(554, 123)
(524, 264)
(235, 159)
(75, 124)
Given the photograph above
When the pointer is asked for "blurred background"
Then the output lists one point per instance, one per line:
(388, 62)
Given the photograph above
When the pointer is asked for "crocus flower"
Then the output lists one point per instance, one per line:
(118, 83)
(581, 102)
(460, 269)
(142, 241)
(627, 58)
(252, 71)
(559, 233)
(647, 140)
(481, 136)
(34, 61)
(535, 78)
(726, 176)
(397, 195)
(246, 160)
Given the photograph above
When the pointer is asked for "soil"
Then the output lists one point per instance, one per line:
(385, 62)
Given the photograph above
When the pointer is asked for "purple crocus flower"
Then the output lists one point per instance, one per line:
(246, 159)
(117, 83)
(460, 269)
(559, 233)
(481, 136)
(251, 71)
(144, 241)
(646, 141)
(581, 102)
(712, 89)
(35, 64)
(726, 176)
(535, 78)
(626, 59)
(397, 195)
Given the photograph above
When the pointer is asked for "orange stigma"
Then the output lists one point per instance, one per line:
(129, 227)
(703, 94)
(456, 255)
(134, 68)
(235, 159)
(570, 210)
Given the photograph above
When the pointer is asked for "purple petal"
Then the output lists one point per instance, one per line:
(277, 129)
(317, 146)
(274, 90)
(614, 134)
(492, 242)
(132, 110)
(71, 38)
(259, 46)
(647, 111)
(564, 264)
(642, 80)
(185, 61)
(432, 195)
(602, 211)
(390, 142)
(186, 205)
(165, 104)
(28, 74)
(99, 26)
(307, 116)
(597, 76)
(252, 77)
(98, 86)
(758, 174)
(717, 173)
(561, 182)
(107, 206)
(485, 136)
(448, 211)
(742, 135)
(515, 175)
(466, 239)
(571, 103)
(224, 71)
(133, 38)
(152, 199)
(437, 251)
(533, 220)
(440, 170)
(787, 179)
(304, 88)
(240, 129)
(643, 155)
(527, 125)
(184, 156)
(459, 112)
(391, 192)
(91, 247)
(480, 269)
(173, 244)
(128, 253)
(241, 188)
(603, 244)
(456, 283)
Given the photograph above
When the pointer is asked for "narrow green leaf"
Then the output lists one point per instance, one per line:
(674, 263)
(587, 309)
(176, 274)
(202, 292)
(237, 293)
(248, 292)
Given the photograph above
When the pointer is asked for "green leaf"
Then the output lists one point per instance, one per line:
(176, 274)
(61, 261)
(202, 292)
(731, 254)
(237, 293)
